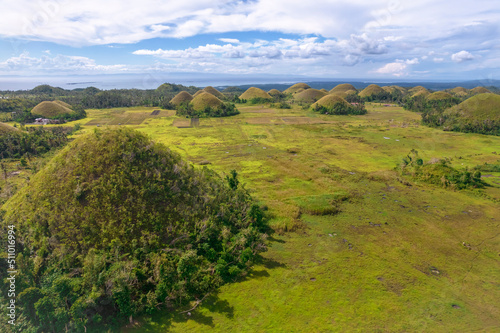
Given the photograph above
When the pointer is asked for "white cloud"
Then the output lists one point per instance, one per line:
(413, 61)
(462, 56)
(115, 21)
(437, 59)
(393, 68)
(25, 63)
(301, 48)
(230, 40)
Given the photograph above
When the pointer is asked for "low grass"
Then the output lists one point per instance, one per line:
(355, 248)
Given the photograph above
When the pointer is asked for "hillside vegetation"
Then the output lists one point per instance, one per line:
(480, 114)
(124, 226)
(51, 109)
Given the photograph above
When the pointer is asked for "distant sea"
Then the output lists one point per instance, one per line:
(153, 80)
(140, 81)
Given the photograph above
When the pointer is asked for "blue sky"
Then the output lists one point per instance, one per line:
(369, 39)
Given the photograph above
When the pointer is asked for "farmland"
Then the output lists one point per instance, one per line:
(356, 246)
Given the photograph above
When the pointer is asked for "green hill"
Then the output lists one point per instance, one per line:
(372, 90)
(309, 95)
(342, 88)
(53, 109)
(116, 225)
(333, 104)
(182, 97)
(204, 100)
(298, 87)
(5, 129)
(480, 113)
(439, 96)
(275, 92)
(253, 93)
(213, 91)
(479, 90)
(459, 91)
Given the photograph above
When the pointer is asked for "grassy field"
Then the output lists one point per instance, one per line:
(354, 248)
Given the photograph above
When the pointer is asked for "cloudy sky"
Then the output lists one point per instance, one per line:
(375, 39)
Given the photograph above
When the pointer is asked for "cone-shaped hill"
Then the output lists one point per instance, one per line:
(342, 88)
(439, 96)
(329, 101)
(115, 216)
(296, 88)
(275, 92)
(182, 97)
(6, 129)
(459, 91)
(371, 90)
(479, 90)
(214, 92)
(51, 109)
(422, 92)
(480, 114)
(309, 95)
(333, 104)
(253, 92)
(203, 100)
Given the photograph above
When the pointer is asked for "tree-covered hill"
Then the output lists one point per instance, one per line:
(116, 225)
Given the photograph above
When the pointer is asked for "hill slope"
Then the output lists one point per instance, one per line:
(48, 109)
(119, 218)
(480, 113)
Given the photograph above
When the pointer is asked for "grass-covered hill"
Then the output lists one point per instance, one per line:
(296, 88)
(5, 129)
(309, 95)
(371, 90)
(479, 90)
(480, 113)
(205, 104)
(182, 97)
(53, 109)
(255, 93)
(342, 88)
(333, 104)
(205, 100)
(213, 91)
(116, 225)
(275, 93)
(459, 91)
(439, 96)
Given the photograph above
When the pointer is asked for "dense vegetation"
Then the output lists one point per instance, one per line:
(31, 141)
(116, 225)
(223, 110)
(439, 172)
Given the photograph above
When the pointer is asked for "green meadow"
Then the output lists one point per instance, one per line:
(355, 247)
